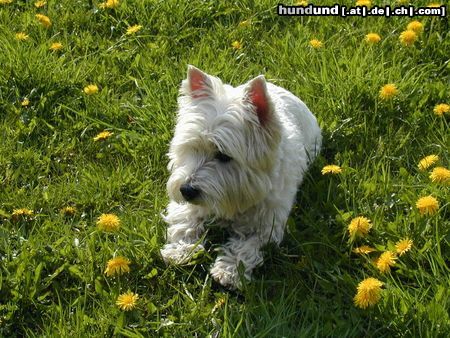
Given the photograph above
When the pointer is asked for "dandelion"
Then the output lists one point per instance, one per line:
(245, 23)
(133, 29)
(219, 303)
(103, 136)
(110, 4)
(427, 205)
(434, 4)
(316, 44)
(366, 3)
(440, 175)
(39, 4)
(372, 38)
(91, 89)
(25, 102)
(108, 222)
(368, 293)
(5, 2)
(331, 169)
(403, 246)
(427, 162)
(127, 301)
(117, 266)
(21, 213)
(408, 37)
(55, 46)
(364, 250)
(415, 26)
(44, 20)
(236, 45)
(388, 91)
(385, 261)
(69, 210)
(359, 226)
(441, 108)
(21, 36)
(303, 3)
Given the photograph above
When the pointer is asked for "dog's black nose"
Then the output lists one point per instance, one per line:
(189, 192)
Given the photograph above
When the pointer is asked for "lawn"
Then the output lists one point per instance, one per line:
(87, 109)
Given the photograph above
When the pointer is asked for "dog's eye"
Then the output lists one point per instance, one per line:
(222, 157)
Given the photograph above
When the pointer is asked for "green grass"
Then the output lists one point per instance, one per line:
(52, 280)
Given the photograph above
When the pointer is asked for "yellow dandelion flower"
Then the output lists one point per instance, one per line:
(108, 222)
(408, 37)
(219, 303)
(427, 162)
(25, 102)
(368, 293)
(303, 3)
(236, 44)
(44, 20)
(441, 109)
(110, 4)
(331, 169)
(372, 38)
(117, 266)
(103, 136)
(415, 26)
(133, 29)
(403, 246)
(245, 23)
(434, 4)
(366, 3)
(127, 301)
(359, 226)
(69, 210)
(388, 91)
(5, 2)
(385, 261)
(440, 175)
(39, 4)
(21, 213)
(427, 205)
(316, 44)
(21, 36)
(364, 250)
(55, 46)
(91, 89)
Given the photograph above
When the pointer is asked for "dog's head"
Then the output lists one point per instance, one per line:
(224, 149)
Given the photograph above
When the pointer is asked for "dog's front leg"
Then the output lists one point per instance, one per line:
(183, 234)
(245, 250)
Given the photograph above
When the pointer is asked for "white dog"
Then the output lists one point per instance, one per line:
(237, 157)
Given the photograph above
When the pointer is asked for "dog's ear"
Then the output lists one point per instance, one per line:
(256, 94)
(198, 83)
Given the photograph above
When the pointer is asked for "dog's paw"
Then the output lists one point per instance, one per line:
(176, 253)
(226, 274)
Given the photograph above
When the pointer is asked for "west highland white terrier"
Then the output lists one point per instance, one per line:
(237, 157)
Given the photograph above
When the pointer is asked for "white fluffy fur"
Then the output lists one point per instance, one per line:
(271, 137)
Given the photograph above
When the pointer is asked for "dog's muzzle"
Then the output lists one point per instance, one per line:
(189, 192)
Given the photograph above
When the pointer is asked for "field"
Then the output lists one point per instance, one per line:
(84, 68)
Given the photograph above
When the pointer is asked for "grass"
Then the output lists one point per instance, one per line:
(52, 280)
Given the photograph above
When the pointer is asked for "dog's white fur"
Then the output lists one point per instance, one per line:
(271, 137)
